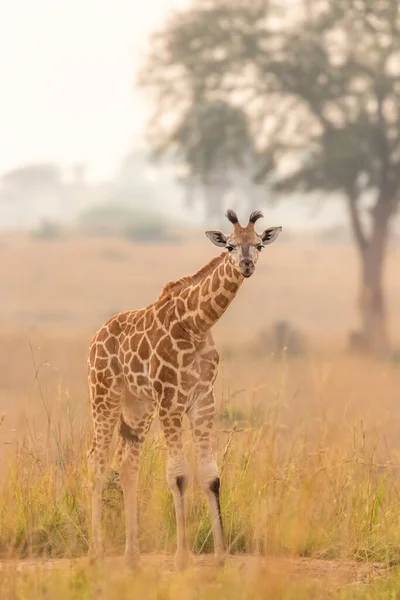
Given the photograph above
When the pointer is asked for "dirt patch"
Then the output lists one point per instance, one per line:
(332, 572)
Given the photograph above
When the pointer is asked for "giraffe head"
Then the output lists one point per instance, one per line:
(244, 244)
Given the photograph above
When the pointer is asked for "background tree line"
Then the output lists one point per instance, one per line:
(304, 95)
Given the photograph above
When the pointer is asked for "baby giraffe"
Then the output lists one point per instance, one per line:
(162, 359)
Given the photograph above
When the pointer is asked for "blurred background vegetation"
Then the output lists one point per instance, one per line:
(300, 96)
(290, 107)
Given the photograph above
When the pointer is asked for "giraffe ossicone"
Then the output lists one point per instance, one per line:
(162, 360)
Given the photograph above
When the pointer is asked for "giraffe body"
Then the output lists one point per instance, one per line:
(162, 360)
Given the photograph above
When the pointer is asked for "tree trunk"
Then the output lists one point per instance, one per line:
(374, 330)
(214, 195)
(372, 303)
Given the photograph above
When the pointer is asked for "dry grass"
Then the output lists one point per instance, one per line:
(308, 446)
(76, 283)
(243, 578)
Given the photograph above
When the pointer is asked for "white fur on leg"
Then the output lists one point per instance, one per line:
(177, 473)
(129, 472)
(210, 483)
(96, 474)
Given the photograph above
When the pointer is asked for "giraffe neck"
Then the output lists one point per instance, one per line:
(202, 304)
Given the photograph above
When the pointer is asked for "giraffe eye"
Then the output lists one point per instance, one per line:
(260, 247)
(229, 247)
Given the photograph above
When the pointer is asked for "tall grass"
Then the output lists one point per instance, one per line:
(321, 487)
(77, 582)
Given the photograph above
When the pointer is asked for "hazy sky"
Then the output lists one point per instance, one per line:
(67, 71)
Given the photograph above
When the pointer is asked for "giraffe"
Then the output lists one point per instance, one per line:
(162, 360)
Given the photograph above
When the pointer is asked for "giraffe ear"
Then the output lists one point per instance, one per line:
(217, 237)
(269, 235)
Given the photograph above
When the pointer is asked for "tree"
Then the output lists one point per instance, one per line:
(319, 81)
(29, 189)
(214, 148)
(205, 144)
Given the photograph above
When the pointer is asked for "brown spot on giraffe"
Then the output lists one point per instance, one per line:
(221, 300)
(230, 286)
(100, 363)
(168, 353)
(169, 375)
(115, 327)
(136, 364)
(180, 305)
(188, 358)
(193, 299)
(158, 387)
(215, 281)
(144, 349)
(200, 323)
(134, 341)
(183, 345)
(110, 345)
(162, 359)
(163, 311)
(103, 334)
(114, 364)
(209, 311)
(92, 354)
(205, 288)
(177, 332)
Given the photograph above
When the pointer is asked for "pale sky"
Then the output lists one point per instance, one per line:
(67, 70)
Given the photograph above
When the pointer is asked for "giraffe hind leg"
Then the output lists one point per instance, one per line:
(201, 420)
(177, 476)
(132, 432)
(105, 411)
(126, 435)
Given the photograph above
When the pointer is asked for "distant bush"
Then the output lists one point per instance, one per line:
(121, 220)
(281, 338)
(47, 230)
(146, 233)
(337, 234)
(113, 254)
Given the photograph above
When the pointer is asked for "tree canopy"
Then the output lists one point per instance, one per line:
(317, 83)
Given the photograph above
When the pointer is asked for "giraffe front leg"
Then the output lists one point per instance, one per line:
(202, 420)
(177, 475)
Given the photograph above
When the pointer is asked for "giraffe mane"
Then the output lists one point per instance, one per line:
(183, 282)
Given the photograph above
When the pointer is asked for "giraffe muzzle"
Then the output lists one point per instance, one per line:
(247, 267)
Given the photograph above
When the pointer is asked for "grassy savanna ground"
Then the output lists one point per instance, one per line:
(308, 446)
